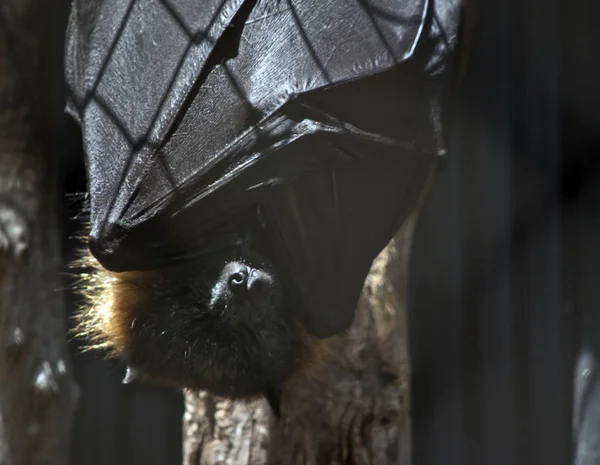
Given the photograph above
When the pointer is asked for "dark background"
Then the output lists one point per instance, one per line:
(505, 288)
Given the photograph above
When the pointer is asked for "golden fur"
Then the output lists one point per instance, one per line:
(109, 309)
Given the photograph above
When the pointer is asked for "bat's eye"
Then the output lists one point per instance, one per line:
(237, 280)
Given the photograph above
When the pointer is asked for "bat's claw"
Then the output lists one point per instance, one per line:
(14, 231)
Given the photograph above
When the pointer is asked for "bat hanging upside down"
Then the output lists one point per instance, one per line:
(218, 324)
(246, 162)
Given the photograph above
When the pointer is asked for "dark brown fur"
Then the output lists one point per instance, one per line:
(156, 323)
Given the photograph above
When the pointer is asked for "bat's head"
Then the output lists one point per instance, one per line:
(244, 290)
(217, 323)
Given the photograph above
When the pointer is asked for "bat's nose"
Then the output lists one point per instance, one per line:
(258, 281)
(245, 280)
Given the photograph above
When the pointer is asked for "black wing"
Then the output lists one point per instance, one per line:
(319, 112)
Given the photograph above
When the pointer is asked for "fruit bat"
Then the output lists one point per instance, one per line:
(246, 161)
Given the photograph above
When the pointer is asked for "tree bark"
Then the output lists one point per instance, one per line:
(37, 393)
(356, 412)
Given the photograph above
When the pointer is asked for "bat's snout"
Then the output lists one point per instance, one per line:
(246, 281)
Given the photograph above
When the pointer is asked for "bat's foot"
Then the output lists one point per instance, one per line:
(14, 231)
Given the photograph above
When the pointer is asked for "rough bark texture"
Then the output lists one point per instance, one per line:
(37, 394)
(355, 412)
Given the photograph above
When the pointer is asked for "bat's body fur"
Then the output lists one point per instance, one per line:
(166, 326)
